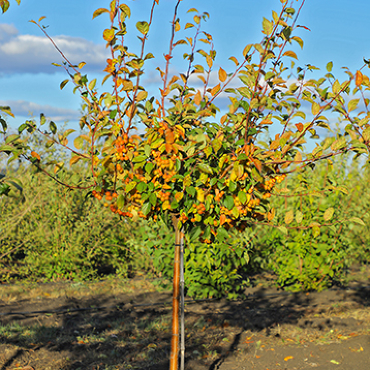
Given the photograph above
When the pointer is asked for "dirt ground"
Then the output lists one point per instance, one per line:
(126, 325)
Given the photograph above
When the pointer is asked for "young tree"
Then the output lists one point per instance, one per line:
(201, 170)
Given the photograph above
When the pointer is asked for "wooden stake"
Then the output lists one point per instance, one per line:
(174, 357)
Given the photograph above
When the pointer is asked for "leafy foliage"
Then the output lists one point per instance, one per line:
(206, 174)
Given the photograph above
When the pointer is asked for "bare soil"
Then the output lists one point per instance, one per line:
(126, 325)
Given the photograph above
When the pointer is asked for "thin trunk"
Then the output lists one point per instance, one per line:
(174, 358)
(182, 287)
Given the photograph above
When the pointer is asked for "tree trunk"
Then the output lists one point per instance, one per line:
(174, 358)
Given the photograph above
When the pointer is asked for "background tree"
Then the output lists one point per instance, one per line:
(179, 158)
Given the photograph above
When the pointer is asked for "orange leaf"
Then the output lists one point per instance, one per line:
(222, 75)
(287, 358)
(215, 90)
(35, 155)
(359, 78)
(222, 219)
(168, 148)
(257, 164)
(299, 126)
(170, 137)
(197, 98)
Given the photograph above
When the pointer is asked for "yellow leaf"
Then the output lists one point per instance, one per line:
(298, 157)
(108, 35)
(74, 159)
(127, 85)
(289, 217)
(287, 358)
(166, 205)
(299, 217)
(58, 167)
(234, 60)
(141, 95)
(291, 54)
(271, 214)
(315, 108)
(99, 11)
(177, 26)
(200, 195)
(179, 195)
(328, 214)
(222, 75)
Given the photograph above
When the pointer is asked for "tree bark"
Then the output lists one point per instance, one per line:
(174, 357)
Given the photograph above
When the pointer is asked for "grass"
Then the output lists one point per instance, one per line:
(31, 290)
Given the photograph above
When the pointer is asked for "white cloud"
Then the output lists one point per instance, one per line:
(29, 109)
(34, 54)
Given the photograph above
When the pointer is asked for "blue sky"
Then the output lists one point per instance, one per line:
(30, 84)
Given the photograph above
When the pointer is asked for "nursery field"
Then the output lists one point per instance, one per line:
(258, 212)
(82, 289)
(125, 324)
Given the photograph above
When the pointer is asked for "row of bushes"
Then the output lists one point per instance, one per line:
(52, 233)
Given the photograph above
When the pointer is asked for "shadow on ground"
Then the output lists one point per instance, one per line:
(128, 331)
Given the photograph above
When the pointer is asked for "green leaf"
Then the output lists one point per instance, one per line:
(299, 217)
(232, 186)
(120, 201)
(141, 187)
(190, 190)
(329, 66)
(22, 127)
(283, 229)
(229, 202)
(206, 168)
(195, 233)
(357, 220)
(7, 148)
(146, 208)
(139, 158)
(4, 189)
(222, 234)
(149, 167)
(315, 231)
(4, 5)
(3, 124)
(53, 127)
(131, 185)
(242, 196)
(11, 138)
(153, 199)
